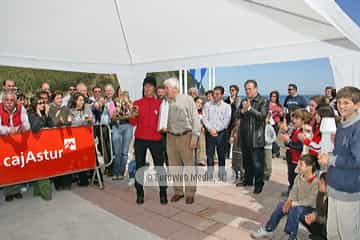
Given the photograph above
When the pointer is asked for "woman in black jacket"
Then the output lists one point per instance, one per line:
(39, 118)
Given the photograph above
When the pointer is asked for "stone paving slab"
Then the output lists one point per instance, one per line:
(67, 216)
(222, 212)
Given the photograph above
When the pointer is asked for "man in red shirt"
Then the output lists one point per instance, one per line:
(148, 137)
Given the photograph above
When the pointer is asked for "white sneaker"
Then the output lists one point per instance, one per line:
(261, 233)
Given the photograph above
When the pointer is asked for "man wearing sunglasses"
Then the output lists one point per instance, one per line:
(293, 101)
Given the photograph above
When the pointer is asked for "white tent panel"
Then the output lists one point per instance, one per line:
(80, 31)
(346, 70)
(132, 37)
(164, 30)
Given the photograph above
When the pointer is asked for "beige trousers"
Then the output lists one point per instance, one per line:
(180, 154)
(343, 220)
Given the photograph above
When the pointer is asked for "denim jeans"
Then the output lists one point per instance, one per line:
(295, 215)
(219, 142)
(121, 137)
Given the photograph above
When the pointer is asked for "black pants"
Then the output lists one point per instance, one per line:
(163, 146)
(64, 181)
(317, 231)
(254, 161)
(291, 174)
(156, 151)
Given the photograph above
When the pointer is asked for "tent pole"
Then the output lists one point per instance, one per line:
(214, 76)
(180, 81)
(185, 81)
(210, 77)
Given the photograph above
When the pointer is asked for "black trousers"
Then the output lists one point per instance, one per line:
(318, 231)
(156, 150)
(64, 181)
(254, 161)
(163, 144)
(291, 174)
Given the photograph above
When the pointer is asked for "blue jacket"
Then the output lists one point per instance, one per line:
(344, 169)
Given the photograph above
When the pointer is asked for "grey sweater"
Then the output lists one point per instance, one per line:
(304, 193)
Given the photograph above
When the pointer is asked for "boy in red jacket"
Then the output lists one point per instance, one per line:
(147, 137)
(294, 144)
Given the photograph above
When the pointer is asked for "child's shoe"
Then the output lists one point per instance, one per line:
(261, 233)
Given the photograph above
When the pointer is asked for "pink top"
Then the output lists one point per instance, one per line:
(275, 111)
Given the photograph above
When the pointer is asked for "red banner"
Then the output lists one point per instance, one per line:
(50, 152)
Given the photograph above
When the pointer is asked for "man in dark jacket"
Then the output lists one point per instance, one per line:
(252, 115)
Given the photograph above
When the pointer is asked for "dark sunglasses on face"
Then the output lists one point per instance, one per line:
(291, 89)
(40, 102)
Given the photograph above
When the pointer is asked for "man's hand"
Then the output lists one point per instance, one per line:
(193, 142)
(213, 132)
(245, 106)
(323, 159)
(301, 137)
(47, 108)
(12, 130)
(21, 129)
(310, 218)
(96, 105)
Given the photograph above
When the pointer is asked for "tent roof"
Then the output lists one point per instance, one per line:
(110, 35)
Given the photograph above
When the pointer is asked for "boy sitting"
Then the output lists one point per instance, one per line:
(316, 221)
(301, 201)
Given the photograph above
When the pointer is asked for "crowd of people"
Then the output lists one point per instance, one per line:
(323, 188)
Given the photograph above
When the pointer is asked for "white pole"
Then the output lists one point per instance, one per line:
(181, 81)
(214, 76)
(185, 81)
(210, 77)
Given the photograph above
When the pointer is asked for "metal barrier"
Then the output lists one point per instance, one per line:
(97, 173)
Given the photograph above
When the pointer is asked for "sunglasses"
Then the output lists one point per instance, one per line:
(71, 89)
(41, 102)
(291, 89)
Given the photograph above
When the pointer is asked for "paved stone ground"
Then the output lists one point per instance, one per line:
(225, 212)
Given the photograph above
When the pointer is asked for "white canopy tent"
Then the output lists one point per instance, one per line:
(132, 37)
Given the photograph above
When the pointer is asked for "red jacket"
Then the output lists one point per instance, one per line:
(147, 121)
(295, 146)
(5, 116)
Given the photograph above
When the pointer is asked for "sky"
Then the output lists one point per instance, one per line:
(311, 76)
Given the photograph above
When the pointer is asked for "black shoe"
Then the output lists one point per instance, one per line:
(258, 190)
(140, 200)
(163, 198)
(244, 184)
(9, 198)
(18, 196)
